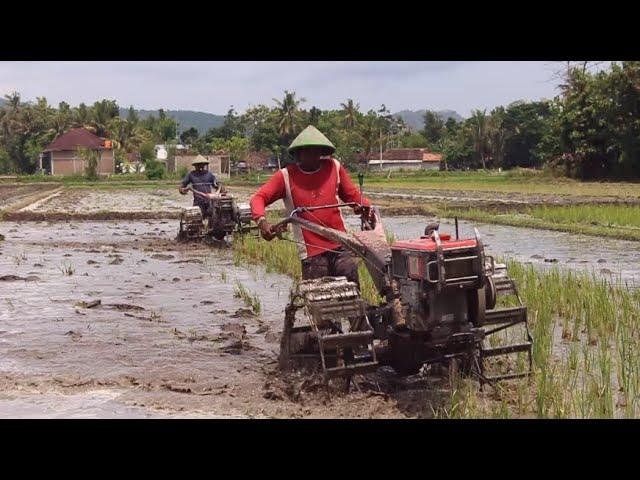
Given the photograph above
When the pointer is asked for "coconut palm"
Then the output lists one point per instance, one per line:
(13, 101)
(81, 117)
(350, 112)
(287, 113)
(478, 122)
(369, 133)
(126, 134)
(496, 139)
(102, 113)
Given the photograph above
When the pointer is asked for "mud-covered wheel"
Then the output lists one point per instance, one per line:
(284, 360)
(405, 357)
(219, 235)
(490, 293)
(477, 306)
(182, 235)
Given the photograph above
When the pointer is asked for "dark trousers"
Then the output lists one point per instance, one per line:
(331, 264)
(205, 208)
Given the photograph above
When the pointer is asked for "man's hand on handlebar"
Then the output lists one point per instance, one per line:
(364, 211)
(183, 190)
(367, 215)
(269, 232)
(266, 230)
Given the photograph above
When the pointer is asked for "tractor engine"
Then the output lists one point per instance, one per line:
(227, 215)
(440, 281)
(439, 307)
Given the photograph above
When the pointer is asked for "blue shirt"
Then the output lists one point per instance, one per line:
(203, 182)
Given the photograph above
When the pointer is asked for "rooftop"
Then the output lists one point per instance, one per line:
(75, 138)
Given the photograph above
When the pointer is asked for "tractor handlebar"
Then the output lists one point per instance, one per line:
(368, 222)
(208, 196)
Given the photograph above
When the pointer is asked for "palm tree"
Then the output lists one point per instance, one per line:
(126, 134)
(350, 112)
(288, 109)
(81, 117)
(369, 133)
(101, 115)
(479, 132)
(11, 115)
(13, 100)
(314, 115)
(496, 139)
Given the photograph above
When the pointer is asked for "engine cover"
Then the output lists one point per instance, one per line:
(424, 308)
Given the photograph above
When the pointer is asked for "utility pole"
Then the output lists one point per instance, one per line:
(380, 149)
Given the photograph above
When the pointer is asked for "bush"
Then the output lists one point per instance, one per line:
(182, 171)
(5, 161)
(92, 158)
(155, 170)
(147, 152)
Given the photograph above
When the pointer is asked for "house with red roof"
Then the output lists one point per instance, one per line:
(63, 156)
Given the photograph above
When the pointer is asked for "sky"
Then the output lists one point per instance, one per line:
(214, 87)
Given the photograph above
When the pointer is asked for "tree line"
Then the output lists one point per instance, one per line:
(591, 130)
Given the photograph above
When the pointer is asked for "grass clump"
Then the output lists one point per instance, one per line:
(251, 300)
(67, 269)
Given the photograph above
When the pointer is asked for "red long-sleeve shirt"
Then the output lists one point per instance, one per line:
(311, 190)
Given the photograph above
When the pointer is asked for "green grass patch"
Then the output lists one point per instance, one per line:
(610, 216)
(613, 221)
(513, 181)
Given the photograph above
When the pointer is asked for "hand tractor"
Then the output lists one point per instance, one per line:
(439, 308)
(224, 216)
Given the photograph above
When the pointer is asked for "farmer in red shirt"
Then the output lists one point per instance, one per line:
(315, 179)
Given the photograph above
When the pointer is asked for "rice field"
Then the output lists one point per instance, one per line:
(610, 216)
(613, 221)
(586, 355)
(515, 181)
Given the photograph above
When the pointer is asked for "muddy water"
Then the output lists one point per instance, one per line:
(166, 323)
(615, 260)
(167, 337)
(86, 200)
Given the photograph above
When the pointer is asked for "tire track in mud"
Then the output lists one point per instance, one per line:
(13, 198)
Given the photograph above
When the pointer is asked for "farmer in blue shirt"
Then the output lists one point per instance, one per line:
(201, 180)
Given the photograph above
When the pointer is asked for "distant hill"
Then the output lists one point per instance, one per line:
(186, 118)
(415, 120)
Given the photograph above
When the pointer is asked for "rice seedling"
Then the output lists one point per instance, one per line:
(67, 268)
(19, 259)
(251, 300)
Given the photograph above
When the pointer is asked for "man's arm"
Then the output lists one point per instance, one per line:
(268, 193)
(216, 185)
(183, 185)
(214, 181)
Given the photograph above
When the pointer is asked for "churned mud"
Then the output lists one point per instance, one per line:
(113, 319)
(16, 196)
(85, 203)
(103, 314)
